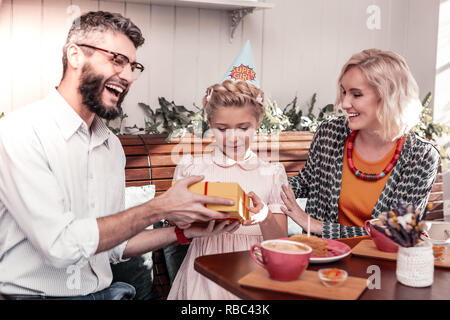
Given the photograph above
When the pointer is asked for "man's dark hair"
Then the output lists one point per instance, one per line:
(89, 27)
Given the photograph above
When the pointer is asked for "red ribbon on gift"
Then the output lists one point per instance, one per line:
(206, 192)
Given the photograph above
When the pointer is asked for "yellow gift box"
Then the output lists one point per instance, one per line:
(229, 190)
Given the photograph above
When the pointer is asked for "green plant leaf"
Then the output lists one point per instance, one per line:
(311, 105)
(427, 100)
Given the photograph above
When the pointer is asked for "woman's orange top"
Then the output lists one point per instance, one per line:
(358, 197)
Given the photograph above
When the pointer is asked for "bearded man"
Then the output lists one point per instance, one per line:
(62, 178)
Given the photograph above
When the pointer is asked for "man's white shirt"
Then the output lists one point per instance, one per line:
(56, 179)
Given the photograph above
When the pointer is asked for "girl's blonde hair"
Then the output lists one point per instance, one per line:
(387, 72)
(233, 94)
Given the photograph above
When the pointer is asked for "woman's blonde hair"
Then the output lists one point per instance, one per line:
(233, 94)
(387, 72)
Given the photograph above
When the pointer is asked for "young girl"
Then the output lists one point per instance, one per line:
(234, 111)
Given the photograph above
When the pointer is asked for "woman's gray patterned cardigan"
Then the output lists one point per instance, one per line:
(320, 179)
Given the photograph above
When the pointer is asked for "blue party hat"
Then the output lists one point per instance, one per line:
(243, 67)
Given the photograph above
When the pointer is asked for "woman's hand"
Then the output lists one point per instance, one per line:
(292, 209)
(213, 228)
(296, 213)
(259, 212)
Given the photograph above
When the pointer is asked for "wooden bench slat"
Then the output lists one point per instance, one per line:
(435, 215)
(137, 174)
(436, 196)
(164, 160)
(154, 138)
(436, 211)
(167, 160)
(436, 206)
(130, 140)
(136, 162)
(155, 149)
(290, 155)
(143, 173)
(162, 184)
(183, 148)
(164, 172)
(291, 174)
(283, 136)
(137, 183)
(437, 187)
(293, 166)
(288, 145)
(135, 150)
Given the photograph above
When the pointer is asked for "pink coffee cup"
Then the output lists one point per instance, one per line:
(382, 242)
(283, 259)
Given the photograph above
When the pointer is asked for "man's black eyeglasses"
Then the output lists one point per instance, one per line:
(119, 60)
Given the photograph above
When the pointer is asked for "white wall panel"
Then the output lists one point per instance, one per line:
(273, 51)
(423, 23)
(442, 96)
(26, 52)
(86, 5)
(55, 26)
(160, 61)
(112, 6)
(6, 56)
(209, 69)
(228, 50)
(253, 30)
(185, 55)
(140, 92)
(299, 46)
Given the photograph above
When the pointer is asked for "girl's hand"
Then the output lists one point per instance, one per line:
(259, 212)
(213, 228)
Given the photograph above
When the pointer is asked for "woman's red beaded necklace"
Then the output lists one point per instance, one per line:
(371, 176)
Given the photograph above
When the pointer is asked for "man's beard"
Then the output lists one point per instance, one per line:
(91, 89)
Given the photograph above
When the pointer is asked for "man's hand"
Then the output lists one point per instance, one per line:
(183, 207)
(213, 228)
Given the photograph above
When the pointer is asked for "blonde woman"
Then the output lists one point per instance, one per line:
(367, 161)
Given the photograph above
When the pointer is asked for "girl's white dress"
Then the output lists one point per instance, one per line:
(252, 174)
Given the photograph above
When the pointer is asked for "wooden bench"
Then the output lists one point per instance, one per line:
(151, 160)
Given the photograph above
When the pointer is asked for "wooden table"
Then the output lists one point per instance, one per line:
(226, 269)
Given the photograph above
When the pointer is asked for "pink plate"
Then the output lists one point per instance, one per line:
(336, 251)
